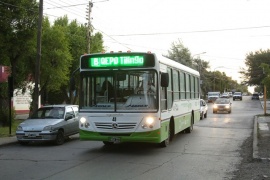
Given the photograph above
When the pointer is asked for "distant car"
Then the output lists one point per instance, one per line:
(212, 96)
(230, 94)
(222, 105)
(225, 95)
(237, 95)
(49, 123)
(204, 109)
(255, 96)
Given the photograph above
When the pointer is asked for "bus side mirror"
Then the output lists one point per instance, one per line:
(72, 84)
(164, 80)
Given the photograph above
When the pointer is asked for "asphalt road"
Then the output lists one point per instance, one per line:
(211, 151)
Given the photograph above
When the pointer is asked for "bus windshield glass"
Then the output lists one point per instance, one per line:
(119, 91)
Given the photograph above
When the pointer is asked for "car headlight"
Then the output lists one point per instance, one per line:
(227, 106)
(48, 128)
(215, 106)
(19, 128)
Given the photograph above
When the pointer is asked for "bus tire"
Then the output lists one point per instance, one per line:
(107, 143)
(166, 142)
(190, 128)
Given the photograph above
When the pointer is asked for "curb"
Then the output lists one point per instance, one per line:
(255, 143)
(255, 139)
(8, 140)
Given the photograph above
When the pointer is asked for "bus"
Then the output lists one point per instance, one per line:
(136, 97)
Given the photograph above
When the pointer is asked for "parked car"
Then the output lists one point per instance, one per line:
(255, 96)
(204, 109)
(222, 105)
(49, 123)
(237, 95)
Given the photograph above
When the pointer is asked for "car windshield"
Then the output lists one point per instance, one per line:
(237, 93)
(49, 113)
(255, 94)
(222, 101)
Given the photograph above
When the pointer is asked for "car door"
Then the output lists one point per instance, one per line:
(73, 123)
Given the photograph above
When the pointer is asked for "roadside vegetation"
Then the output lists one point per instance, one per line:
(4, 131)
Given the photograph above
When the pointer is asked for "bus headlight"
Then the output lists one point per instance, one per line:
(148, 123)
(83, 120)
(149, 120)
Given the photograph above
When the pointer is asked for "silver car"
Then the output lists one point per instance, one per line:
(49, 123)
(204, 109)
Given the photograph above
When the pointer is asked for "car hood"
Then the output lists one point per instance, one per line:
(38, 124)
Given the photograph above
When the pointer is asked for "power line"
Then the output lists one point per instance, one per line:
(189, 32)
(61, 7)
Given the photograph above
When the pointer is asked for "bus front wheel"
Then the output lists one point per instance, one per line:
(166, 142)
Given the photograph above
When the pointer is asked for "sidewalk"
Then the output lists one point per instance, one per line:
(261, 135)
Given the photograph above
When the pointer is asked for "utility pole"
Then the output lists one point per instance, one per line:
(88, 35)
(37, 68)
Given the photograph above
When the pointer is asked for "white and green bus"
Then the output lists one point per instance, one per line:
(136, 97)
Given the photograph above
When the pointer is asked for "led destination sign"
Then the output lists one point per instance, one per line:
(116, 61)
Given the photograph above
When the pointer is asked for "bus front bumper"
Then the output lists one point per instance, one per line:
(149, 137)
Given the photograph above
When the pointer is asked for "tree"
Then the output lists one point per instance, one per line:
(18, 22)
(180, 54)
(254, 75)
(18, 27)
(266, 79)
(75, 35)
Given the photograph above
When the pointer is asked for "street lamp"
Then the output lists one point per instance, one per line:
(199, 65)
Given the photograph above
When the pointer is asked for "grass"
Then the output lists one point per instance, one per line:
(4, 131)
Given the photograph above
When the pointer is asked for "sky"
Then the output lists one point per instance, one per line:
(221, 32)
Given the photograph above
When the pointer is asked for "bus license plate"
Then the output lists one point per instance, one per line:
(115, 139)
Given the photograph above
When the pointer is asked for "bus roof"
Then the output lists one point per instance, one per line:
(172, 63)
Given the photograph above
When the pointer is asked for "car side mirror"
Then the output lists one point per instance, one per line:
(69, 116)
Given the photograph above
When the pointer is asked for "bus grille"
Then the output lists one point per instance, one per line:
(102, 125)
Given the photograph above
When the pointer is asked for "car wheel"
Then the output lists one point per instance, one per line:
(201, 116)
(166, 142)
(107, 143)
(214, 112)
(60, 138)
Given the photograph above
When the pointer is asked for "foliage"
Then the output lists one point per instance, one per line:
(4, 116)
(180, 54)
(210, 81)
(266, 80)
(4, 131)
(18, 24)
(17, 31)
(77, 44)
(254, 75)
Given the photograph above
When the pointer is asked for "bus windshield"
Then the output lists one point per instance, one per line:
(116, 91)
